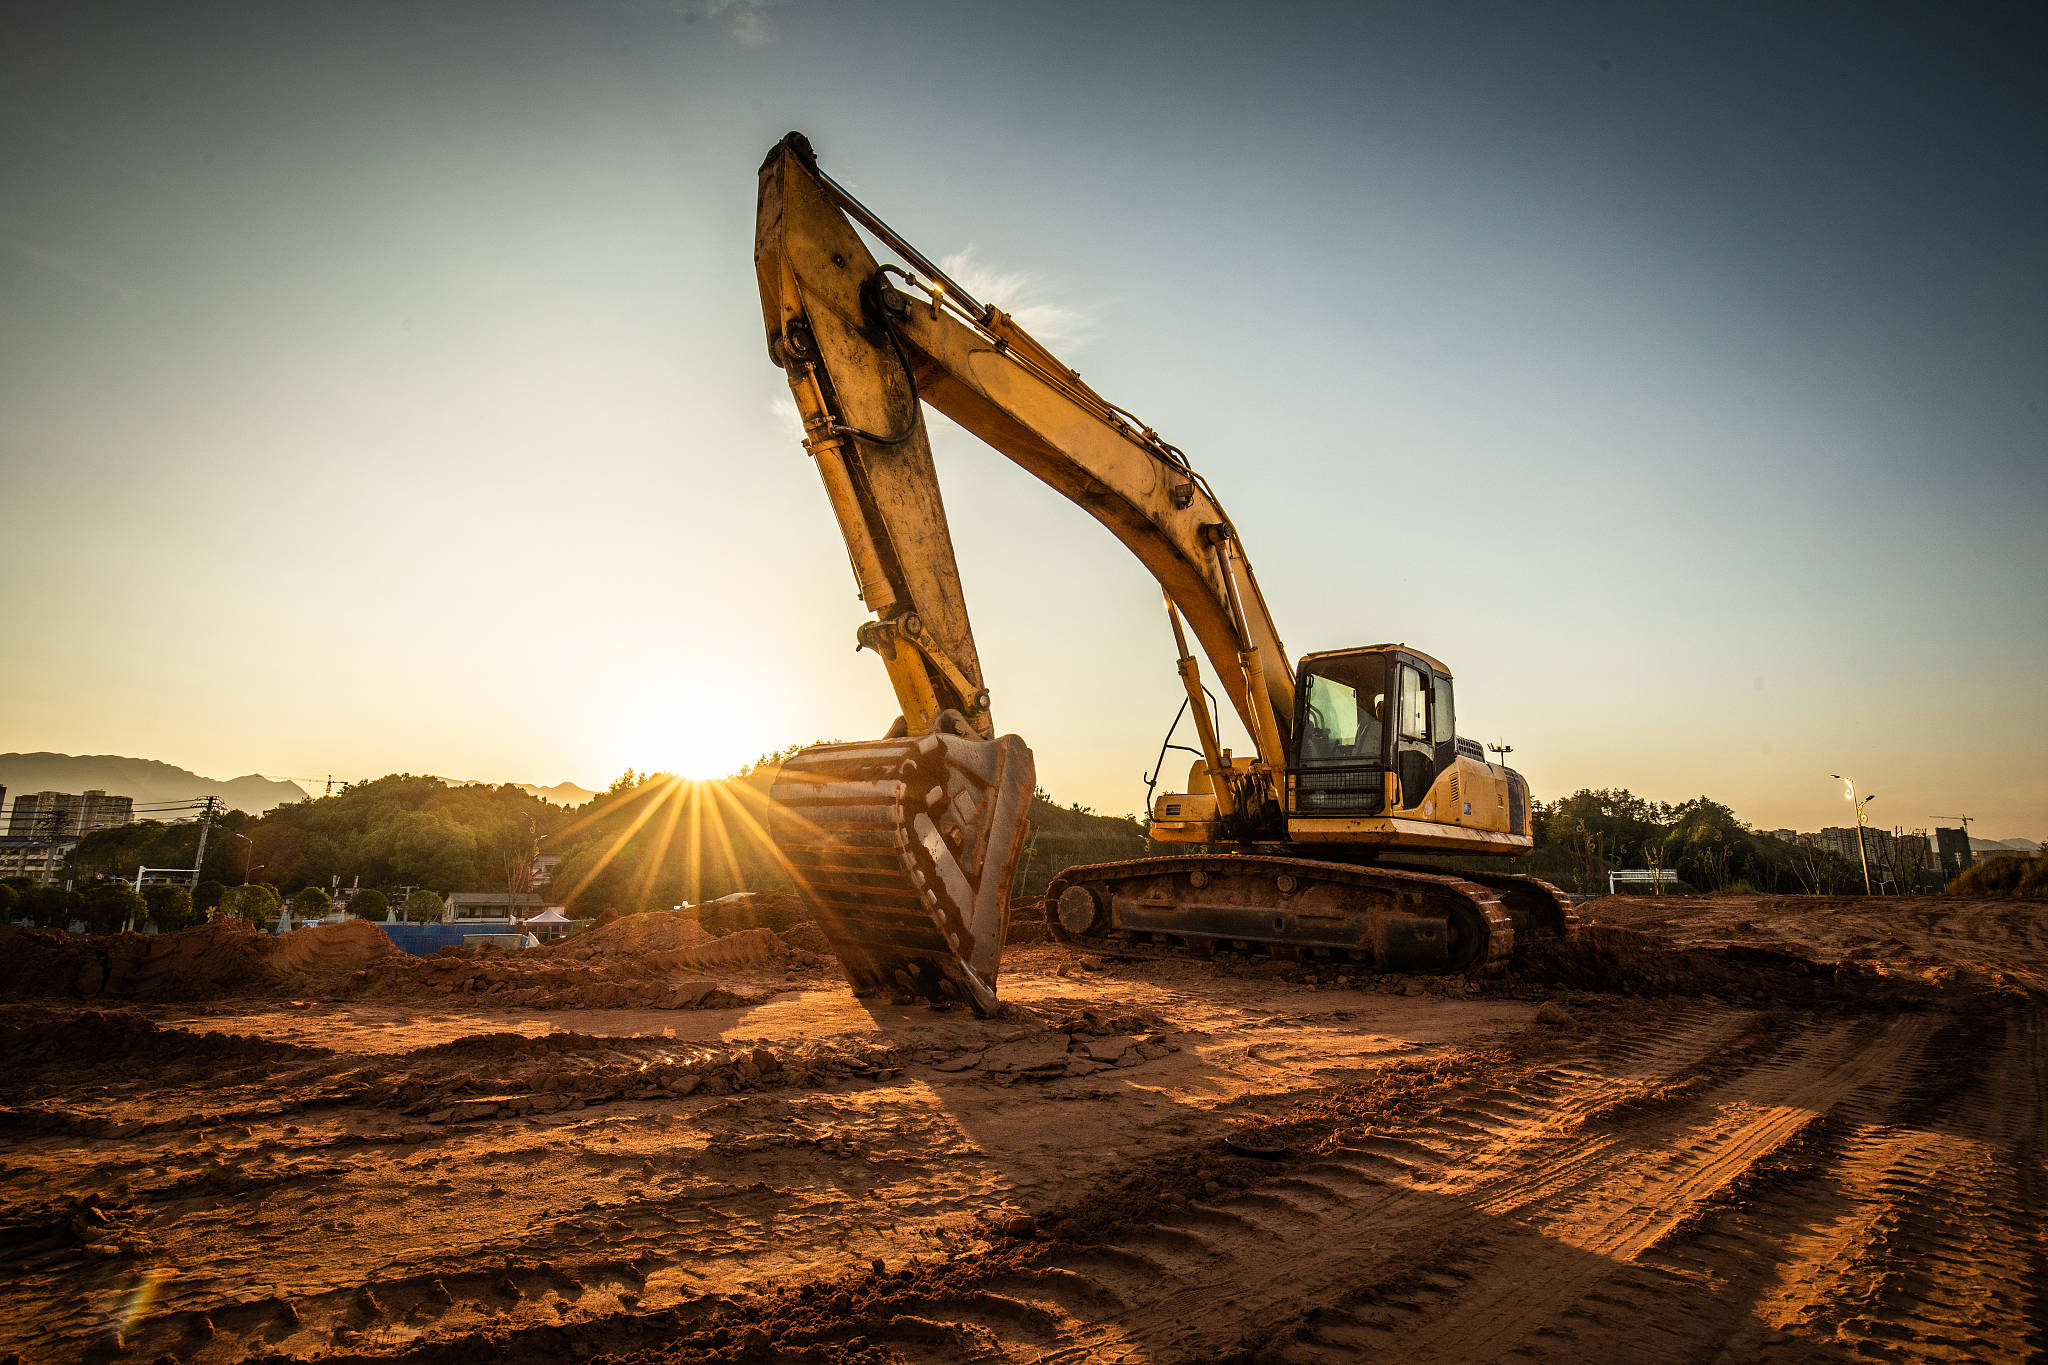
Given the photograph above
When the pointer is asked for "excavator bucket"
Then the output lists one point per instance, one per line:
(904, 849)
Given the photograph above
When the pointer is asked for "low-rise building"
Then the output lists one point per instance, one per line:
(490, 907)
(41, 859)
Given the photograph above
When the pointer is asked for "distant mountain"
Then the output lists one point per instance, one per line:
(1993, 847)
(561, 794)
(145, 779)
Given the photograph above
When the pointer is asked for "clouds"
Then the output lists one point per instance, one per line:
(1023, 296)
(746, 20)
(70, 268)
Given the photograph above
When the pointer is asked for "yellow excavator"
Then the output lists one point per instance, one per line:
(905, 847)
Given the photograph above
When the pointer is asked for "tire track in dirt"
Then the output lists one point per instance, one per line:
(1427, 1247)
(1188, 1283)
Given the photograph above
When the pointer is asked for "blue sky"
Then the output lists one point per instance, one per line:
(384, 385)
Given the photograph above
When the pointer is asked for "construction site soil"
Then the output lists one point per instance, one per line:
(1712, 1128)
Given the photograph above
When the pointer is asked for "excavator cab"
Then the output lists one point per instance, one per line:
(1344, 701)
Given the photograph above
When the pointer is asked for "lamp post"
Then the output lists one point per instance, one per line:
(1849, 793)
(248, 852)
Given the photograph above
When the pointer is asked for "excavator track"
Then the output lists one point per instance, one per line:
(1535, 906)
(1380, 918)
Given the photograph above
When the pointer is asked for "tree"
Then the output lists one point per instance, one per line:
(10, 902)
(170, 907)
(1709, 846)
(1653, 861)
(369, 903)
(256, 903)
(206, 897)
(53, 907)
(110, 906)
(422, 907)
(310, 903)
(516, 856)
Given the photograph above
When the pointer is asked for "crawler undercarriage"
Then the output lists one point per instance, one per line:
(1375, 917)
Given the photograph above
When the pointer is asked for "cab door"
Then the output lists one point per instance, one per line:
(1414, 750)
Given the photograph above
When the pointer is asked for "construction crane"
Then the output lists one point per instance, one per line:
(905, 847)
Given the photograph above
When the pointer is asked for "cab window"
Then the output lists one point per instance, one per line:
(1343, 701)
(1444, 724)
(1414, 704)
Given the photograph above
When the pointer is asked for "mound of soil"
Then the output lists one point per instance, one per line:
(108, 1036)
(633, 936)
(777, 910)
(598, 970)
(1607, 957)
(223, 957)
(329, 950)
(641, 961)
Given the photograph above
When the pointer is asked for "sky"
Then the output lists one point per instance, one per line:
(383, 386)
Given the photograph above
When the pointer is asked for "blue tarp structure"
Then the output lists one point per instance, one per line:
(422, 939)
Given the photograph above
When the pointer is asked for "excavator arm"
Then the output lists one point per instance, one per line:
(905, 847)
(861, 355)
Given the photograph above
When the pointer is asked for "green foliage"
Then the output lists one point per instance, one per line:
(170, 907)
(2008, 874)
(1582, 837)
(52, 907)
(119, 851)
(369, 903)
(256, 903)
(206, 897)
(10, 902)
(1062, 836)
(654, 840)
(402, 830)
(19, 884)
(310, 902)
(421, 907)
(109, 906)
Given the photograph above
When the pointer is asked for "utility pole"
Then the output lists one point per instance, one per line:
(209, 809)
(1503, 750)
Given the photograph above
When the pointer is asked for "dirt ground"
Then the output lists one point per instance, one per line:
(1723, 1128)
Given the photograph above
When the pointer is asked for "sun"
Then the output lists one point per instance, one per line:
(691, 741)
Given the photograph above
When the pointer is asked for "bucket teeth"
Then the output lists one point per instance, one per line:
(904, 850)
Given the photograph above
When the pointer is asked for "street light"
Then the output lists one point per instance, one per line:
(248, 852)
(1849, 794)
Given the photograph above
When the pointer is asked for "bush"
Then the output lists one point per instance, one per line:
(170, 907)
(10, 901)
(2008, 874)
(206, 897)
(257, 904)
(53, 907)
(369, 903)
(109, 907)
(422, 907)
(310, 903)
